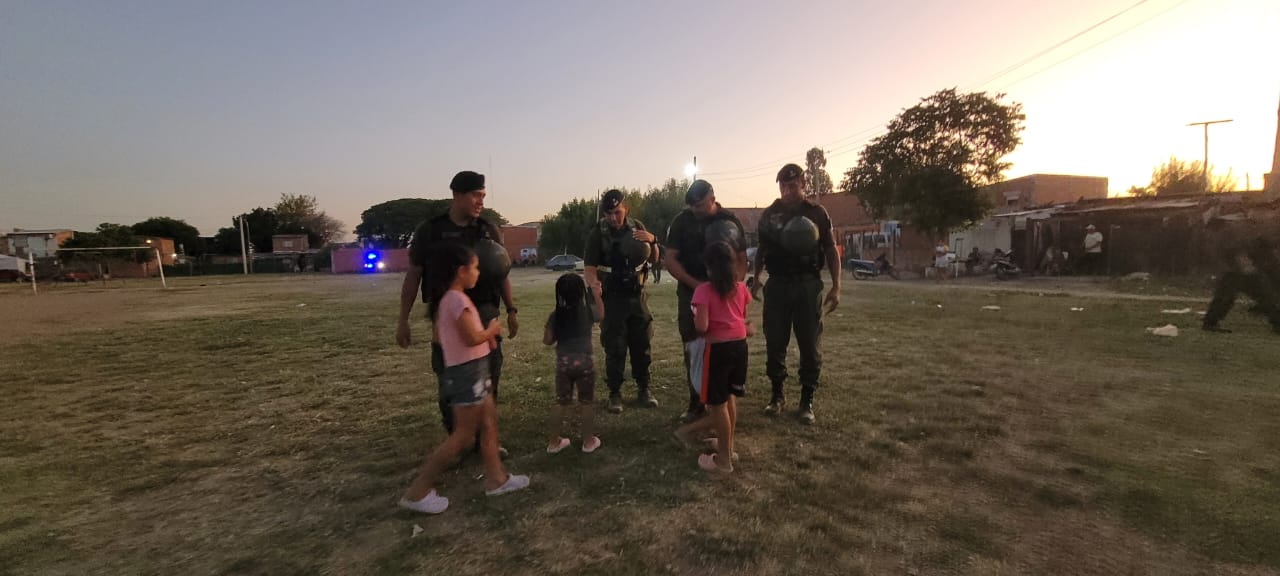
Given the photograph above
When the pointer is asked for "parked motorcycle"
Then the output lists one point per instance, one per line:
(1003, 267)
(868, 269)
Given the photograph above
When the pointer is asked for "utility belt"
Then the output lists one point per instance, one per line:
(625, 283)
(796, 275)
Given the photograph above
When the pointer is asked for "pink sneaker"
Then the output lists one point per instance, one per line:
(591, 444)
(708, 462)
(561, 444)
(514, 482)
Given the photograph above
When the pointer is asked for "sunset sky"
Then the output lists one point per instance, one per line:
(114, 111)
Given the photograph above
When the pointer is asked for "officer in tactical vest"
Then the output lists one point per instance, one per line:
(462, 224)
(795, 243)
(1247, 247)
(621, 248)
(702, 222)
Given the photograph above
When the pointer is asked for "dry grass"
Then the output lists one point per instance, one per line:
(220, 428)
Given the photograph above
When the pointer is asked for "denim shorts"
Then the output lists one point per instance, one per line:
(466, 384)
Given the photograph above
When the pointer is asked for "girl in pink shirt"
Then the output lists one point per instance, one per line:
(465, 383)
(720, 316)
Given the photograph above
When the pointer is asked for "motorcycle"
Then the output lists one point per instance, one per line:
(868, 269)
(1004, 268)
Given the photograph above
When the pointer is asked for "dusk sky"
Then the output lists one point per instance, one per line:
(114, 111)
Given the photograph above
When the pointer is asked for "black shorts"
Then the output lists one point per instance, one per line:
(726, 370)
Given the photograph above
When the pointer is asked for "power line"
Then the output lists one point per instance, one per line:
(757, 170)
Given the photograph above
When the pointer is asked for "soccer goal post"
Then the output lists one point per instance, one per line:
(145, 249)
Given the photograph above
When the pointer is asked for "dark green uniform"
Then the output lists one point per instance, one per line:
(793, 296)
(688, 236)
(486, 295)
(627, 325)
(1262, 283)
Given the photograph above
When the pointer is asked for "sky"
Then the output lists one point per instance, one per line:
(118, 111)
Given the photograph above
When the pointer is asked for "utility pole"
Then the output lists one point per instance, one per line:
(244, 256)
(1204, 170)
(1272, 183)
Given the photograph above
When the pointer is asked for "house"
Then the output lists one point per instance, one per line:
(37, 243)
(290, 243)
(1035, 190)
(522, 241)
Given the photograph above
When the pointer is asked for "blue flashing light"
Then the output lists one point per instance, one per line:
(371, 256)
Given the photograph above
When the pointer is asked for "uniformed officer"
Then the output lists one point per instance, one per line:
(795, 242)
(622, 248)
(462, 224)
(1248, 250)
(703, 221)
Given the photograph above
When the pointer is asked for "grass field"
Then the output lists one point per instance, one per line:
(267, 426)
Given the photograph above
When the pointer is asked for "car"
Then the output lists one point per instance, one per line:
(564, 262)
(73, 276)
(13, 276)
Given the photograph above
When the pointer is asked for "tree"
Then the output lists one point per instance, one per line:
(927, 168)
(184, 235)
(1177, 177)
(815, 172)
(107, 235)
(566, 231)
(658, 206)
(301, 214)
(391, 224)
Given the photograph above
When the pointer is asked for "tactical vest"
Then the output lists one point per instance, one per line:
(693, 241)
(441, 229)
(778, 261)
(624, 277)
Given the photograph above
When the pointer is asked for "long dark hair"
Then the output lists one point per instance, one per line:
(722, 268)
(573, 317)
(442, 267)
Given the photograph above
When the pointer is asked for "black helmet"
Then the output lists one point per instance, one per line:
(799, 236)
(494, 260)
(723, 230)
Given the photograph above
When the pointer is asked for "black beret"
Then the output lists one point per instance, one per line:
(790, 172)
(697, 191)
(466, 181)
(611, 200)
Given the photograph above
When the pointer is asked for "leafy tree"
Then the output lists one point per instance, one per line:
(183, 234)
(566, 231)
(391, 224)
(927, 167)
(107, 235)
(301, 213)
(659, 205)
(816, 177)
(1177, 177)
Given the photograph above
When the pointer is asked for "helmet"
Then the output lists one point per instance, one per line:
(494, 260)
(634, 250)
(723, 230)
(799, 236)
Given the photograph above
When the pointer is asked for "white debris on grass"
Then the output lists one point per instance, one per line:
(1074, 309)
(1176, 311)
(417, 530)
(1168, 330)
(990, 307)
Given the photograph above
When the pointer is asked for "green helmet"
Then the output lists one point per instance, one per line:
(493, 258)
(634, 250)
(723, 230)
(799, 236)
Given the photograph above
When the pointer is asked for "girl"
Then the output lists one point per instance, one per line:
(720, 316)
(465, 382)
(569, 328)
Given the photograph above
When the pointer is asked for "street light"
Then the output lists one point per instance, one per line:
(691, 169)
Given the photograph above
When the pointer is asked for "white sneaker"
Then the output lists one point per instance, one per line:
(514, 482)
(432, 503)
